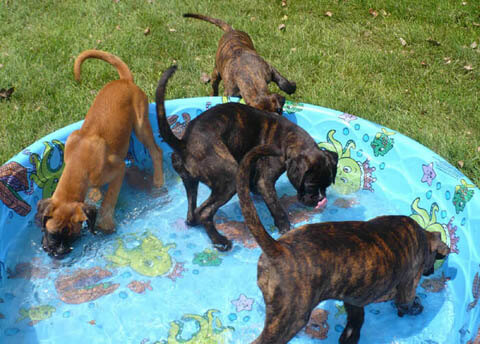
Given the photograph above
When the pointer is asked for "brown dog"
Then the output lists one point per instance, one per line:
(244, 73)
(94, 156)
(213, 145)
(357, 262)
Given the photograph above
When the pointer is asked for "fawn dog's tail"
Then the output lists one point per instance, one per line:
(121, 66)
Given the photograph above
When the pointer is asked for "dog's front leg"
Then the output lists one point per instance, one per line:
(106, 223)
(405, 300)
(413, 308)
(269, 194)
(355, 318)
(216, 78)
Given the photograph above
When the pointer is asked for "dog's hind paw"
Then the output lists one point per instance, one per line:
(223, 244)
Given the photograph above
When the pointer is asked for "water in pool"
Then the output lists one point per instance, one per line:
(159, 281)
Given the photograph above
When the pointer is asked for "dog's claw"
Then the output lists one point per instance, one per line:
(224, 245)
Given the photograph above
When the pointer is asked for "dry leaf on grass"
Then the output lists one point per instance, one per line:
(433, 42)
(403, 42)
(328, 14)
(146, 31)
(281, 27)
(460, 164)
(284, 3)
(468, 68)
(5, 94)
(373, 13)
(172, 29)
(474, 45)
(447, 60)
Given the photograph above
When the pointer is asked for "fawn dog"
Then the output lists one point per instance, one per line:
(94, 156)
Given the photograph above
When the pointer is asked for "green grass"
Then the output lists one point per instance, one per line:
(352, 61)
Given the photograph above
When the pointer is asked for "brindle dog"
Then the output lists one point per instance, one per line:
(243, 71)
(354, 261)
(213, 145)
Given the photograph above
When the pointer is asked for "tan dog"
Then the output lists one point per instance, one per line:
(245, 73)
(94, 156)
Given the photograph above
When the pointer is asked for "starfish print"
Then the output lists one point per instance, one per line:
(177, 271)
(347, 117)
(428, 174)
(243, 303)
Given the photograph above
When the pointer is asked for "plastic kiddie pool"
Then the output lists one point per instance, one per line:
(159, 281)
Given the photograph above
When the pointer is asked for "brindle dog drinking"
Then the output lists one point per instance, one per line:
(213, 145)
(245, 73)
(354, 261)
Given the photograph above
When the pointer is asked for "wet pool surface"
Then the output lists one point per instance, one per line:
(157, 280)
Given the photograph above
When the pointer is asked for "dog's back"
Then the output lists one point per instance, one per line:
(358, 261)
(240, 128)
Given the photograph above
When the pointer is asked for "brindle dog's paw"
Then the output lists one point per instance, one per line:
(192, 221)
(223, 244)
(414, 309)
(349, 336)
(283, 226)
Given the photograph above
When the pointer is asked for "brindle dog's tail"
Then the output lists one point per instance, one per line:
(269, 245)
(220, 23)
(167, 134)
(121, 66)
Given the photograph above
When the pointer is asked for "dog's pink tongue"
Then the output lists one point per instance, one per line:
(322, 203)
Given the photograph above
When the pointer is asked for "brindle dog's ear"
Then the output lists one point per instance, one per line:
(281, 103)
(43, 212)
(296, 168)
(438, 246)
(332, 159)
(91, 213)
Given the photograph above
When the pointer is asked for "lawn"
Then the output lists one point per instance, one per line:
(411, 66)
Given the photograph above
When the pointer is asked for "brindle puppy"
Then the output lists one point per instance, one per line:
(243, 71)
(213, 145)
(354, 261)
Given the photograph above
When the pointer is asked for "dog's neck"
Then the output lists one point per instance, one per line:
(72, 186)
(296, 143)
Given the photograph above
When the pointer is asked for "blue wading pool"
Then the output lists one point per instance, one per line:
(156, 280)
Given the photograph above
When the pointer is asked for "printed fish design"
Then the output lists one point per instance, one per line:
(13, 179)
(36, 314)
(475, 292)
(435, 285)
(139, 287)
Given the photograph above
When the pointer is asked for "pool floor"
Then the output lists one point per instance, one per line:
(156, 280)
